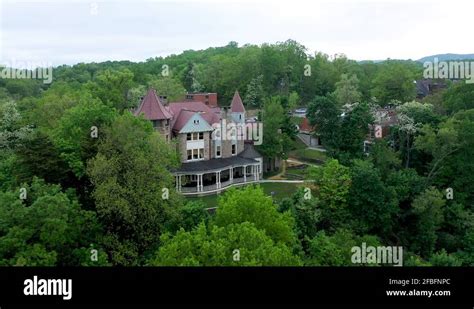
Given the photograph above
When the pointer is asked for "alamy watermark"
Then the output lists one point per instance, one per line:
(377, 255)
(27, 70)
(250, 131)
(449, 70)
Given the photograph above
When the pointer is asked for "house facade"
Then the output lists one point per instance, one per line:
(213, 155)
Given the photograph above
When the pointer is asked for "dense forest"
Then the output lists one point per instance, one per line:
(84, 182)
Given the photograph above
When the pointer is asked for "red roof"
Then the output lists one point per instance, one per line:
(182, 111)
(237, 106)
(152, 108)
(305, 126)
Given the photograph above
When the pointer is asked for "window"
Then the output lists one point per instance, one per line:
(195, 154)
(188, 136)
(234, 149)
(201, 135)
(155, 123)
(218, 151)
(196, 121)
(195, 136)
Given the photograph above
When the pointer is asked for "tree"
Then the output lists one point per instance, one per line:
(254, 95)
(347, 90)
(276, 141)
(305, 211)
(77, 133)
(323, 113)
(459, 96)
(384, 158)
(112, 87)
(129, 186)
(233, 245)
(342, 132)
(169, 87)
(252, 205)
(393, 81)
(372, 205)
(335, 249)
(46, 229)
(428, 209)
(408, 129)
(12, 133)
(332, 183)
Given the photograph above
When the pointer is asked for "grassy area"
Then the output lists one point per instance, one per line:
(281, 190)
(308, 155)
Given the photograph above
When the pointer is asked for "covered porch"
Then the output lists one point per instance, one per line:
(213, 176)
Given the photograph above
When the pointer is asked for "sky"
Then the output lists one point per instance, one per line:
(72, 31)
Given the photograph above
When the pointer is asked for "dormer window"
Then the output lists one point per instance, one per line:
(196, 121)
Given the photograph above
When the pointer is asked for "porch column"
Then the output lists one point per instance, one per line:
(202, 183)
(198, 187)
(180, 182)
(254, 168)
(231, 174)
(177, 183)
(245, 173)
(218, 180)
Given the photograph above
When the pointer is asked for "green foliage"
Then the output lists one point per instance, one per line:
(74, 136)
(215, 246)
(111, 87)
(305, 211)
(44, 230)
(428, 208)
(169, 87)
(442, 258)
(342, 131)
(252, 205)
(332, 184)
(347, 90)
(335, 250)
(373, 206)
(394, 81)
(129, 185)
(458, 97)
(191, 214)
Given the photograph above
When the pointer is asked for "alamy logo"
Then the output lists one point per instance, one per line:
(449, 70)
(377, 255)
(35, 286)
(238, 131)
(27, 70)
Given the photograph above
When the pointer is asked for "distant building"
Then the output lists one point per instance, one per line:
(425, 87)
(307, 133)
(210, 99)
(210, 162)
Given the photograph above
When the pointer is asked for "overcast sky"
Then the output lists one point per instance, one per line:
(68, 32)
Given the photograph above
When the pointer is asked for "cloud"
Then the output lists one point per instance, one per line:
(86, 31)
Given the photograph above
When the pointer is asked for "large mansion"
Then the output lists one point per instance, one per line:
(210, 162)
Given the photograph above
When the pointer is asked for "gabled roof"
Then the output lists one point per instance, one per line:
(189, 122)
(179, 120)
(250, 152)
(237, 106)
(152, 108)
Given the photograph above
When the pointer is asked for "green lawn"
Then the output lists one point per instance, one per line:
(308, 155)
(281, 190)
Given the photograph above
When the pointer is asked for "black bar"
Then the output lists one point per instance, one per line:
(308, 285)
